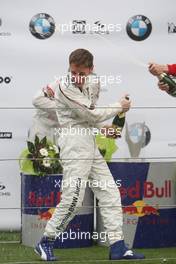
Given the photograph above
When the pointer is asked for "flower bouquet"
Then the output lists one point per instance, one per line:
(40, 158)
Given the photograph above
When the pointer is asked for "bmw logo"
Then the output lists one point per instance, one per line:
(139, 131)
(138, 27)
(42, 26)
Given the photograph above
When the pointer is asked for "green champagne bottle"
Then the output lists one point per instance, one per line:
(119, 121)
(165, 78)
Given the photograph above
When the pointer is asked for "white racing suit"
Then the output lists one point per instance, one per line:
(45, 120)
(82, 161)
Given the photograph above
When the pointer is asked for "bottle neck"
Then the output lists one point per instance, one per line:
(121, 114)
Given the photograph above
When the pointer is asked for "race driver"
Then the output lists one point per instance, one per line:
(81, 159)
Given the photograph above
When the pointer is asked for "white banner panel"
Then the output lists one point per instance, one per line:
(28, 63)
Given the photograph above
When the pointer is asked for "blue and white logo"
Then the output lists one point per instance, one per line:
(42, 26)
(137, 137)
(138, 27)
(138, 131)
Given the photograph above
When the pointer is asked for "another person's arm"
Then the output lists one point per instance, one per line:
(157, 69)
(44, 99)
(163, 87)
(172, 69)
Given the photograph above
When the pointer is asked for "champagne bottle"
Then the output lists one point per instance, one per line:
(119, 122)
(165, 78)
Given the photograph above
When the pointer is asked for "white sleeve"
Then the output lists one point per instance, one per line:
(43, 102)
(81, 105)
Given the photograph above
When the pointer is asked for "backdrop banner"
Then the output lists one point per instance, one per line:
(124, 36)
(40, 195)
(148, 199)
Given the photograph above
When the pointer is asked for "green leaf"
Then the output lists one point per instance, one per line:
(31, 147)
(36, 166)
(103, 152)
(29, 156)
(107, 146)
(57, 155)
(60, 169)
(43, 141)
(26, 165)
(37, 140)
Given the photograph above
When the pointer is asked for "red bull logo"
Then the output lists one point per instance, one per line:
(44, 201)
(46, 215)
(139, 208)
(148, 188)
(130, 210)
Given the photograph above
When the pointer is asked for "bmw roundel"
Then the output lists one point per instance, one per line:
(42, 26)
(140, 132)
(138, 27)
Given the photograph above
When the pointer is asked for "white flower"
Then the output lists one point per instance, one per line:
(55, 149)
(43, 152)
(46, 162)
(50, 148)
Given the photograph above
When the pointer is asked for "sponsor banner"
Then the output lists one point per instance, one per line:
(148, 199)
(40, 195)
(10, 196)
(74, 236)
(123, 42)
(156, 229)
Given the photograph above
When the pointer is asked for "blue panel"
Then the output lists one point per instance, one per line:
(80, 225)
(132, 176)
(156, 230)
(40, 193)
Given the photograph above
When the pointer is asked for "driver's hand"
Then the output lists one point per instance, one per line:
(125, 103)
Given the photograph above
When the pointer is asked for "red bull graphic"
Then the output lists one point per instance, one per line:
(148, 199)
(139, 208)
(131, 210)
(149, 190)
(148, 210)
(46, 215)
(34, 199)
